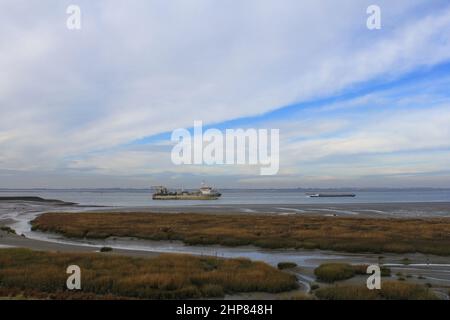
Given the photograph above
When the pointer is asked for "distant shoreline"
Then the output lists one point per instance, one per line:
(301, 189)
(35, 199)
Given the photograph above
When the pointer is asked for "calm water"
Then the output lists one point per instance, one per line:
(134, 197)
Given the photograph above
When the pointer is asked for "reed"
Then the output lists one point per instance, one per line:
(390, 290)
(43, 275)
(347, 234)
(331, 272)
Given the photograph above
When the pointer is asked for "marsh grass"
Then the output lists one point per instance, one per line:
(390, 290)
(348, 234)
(331, 272)
(43, 275)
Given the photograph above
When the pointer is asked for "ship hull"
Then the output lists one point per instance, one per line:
(185, 197)
(332, 196)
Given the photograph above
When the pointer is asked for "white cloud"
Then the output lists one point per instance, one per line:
(382, 132)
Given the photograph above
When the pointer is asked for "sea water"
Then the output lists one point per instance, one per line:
(143, 197)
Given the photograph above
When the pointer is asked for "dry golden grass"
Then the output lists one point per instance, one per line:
(267, 231)
(43, 275)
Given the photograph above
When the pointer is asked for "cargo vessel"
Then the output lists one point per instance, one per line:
(204, 193)
(331, 195)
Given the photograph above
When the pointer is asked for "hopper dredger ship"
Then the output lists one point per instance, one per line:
(204, 193)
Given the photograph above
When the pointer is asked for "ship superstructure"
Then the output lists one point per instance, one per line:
(204, 193)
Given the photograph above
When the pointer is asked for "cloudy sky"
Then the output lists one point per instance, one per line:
(95, 107)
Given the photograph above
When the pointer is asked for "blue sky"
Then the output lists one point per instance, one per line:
(96, 107)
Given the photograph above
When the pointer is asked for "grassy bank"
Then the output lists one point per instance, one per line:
(26, 273)
(309, 232)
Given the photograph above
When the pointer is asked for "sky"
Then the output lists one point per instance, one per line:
(95, 107)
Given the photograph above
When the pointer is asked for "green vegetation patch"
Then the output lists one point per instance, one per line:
(331, 272)
(7, 229)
